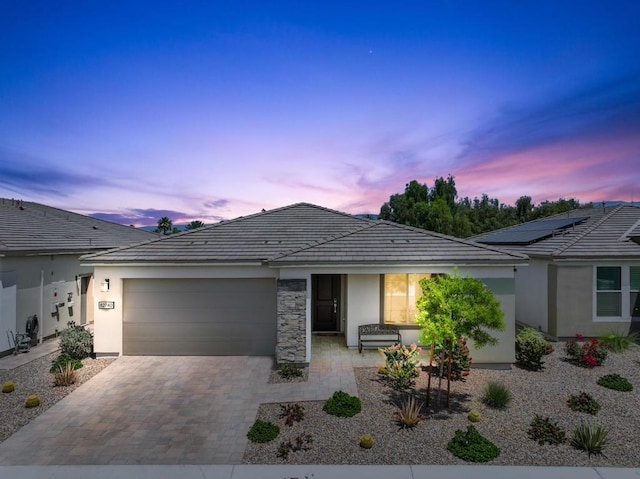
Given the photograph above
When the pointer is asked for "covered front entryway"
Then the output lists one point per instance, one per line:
(325, 302)
(189, 317)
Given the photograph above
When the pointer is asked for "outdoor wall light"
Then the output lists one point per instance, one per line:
(104, 286)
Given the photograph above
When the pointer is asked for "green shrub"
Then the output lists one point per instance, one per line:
(77, 342)
(8, 387)
(616, 382)
(471, 446)
(496, 395)
(263, 431)
(290, 371)
(474, 416)
(366, 441)
(542, 430)
(589, 437)
(618, 342)
(342, 404)
(460, 359)
(62, 360)
(530, 349)
(583, 402)
(32, 401)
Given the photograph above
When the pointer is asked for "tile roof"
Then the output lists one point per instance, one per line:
(305, 233)
(606, 233)
(32, 228)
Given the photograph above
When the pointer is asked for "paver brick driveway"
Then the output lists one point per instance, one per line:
(149, 410)
(174, 410)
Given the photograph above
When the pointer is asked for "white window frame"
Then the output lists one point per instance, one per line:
(632, 290)
(625, 291)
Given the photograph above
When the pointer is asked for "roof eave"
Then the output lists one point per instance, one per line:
(396, 264)
(139, 263)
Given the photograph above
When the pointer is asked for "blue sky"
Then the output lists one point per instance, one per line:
(209, 110)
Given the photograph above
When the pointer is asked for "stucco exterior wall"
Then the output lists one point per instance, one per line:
(8, 291)
(531, 294)
(363, 304)
(574, 306)
(40, 283)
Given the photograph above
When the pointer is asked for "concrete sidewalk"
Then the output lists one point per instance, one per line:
(315, 472)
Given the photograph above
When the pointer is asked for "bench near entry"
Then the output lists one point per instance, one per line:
(377, 335)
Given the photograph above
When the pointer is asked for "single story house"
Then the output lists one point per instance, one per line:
(263, 284)
(584, 270)
(40, 271)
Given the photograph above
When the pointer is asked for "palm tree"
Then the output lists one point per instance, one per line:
(195, 224)
(165, 226)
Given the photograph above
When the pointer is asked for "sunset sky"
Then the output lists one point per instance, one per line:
(210, 110)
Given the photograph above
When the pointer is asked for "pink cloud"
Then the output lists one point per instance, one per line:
(591, 169)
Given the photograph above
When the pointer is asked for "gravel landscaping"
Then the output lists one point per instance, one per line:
(336, 440)
(35, 378)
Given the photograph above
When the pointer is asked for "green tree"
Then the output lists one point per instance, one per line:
(195, 224)
(452, 306)
(165, 226)
(438, 209)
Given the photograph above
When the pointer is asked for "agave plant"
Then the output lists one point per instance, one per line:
(410, 412)
(590, 437)
(65, 375)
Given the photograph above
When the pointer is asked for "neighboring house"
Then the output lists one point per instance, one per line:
(262, 284)
(584, 270)
(40, 271)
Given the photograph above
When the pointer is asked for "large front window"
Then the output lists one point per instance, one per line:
(617, 292)
(609, 291)
(400, 294)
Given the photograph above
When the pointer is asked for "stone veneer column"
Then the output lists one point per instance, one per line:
(291, 339)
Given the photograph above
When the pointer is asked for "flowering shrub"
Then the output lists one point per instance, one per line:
(588, 354)
(402, 364)
(460, 360)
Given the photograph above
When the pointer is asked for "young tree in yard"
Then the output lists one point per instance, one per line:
(452, 306)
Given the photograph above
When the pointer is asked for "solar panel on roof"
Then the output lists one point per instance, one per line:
(528, 233)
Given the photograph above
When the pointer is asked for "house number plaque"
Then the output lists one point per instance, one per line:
(106, 304)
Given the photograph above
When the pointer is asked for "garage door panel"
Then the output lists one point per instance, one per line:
(191, 331)
(200, 317)
(171, 315)
(194, 300)
(191, 348)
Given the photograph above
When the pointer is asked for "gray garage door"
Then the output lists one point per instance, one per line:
(177, 317)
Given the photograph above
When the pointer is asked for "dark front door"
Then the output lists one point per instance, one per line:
(325, 302)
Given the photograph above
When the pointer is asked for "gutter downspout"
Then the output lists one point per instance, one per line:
(41, 329)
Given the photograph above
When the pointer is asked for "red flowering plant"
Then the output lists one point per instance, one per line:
(460, 359)
(589, 353)
(402, 365)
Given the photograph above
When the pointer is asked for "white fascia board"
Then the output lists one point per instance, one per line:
(156, 265)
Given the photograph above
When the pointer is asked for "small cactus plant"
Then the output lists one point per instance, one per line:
(8, 387)
(366, 441)
(32, 401)
(474, 416)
